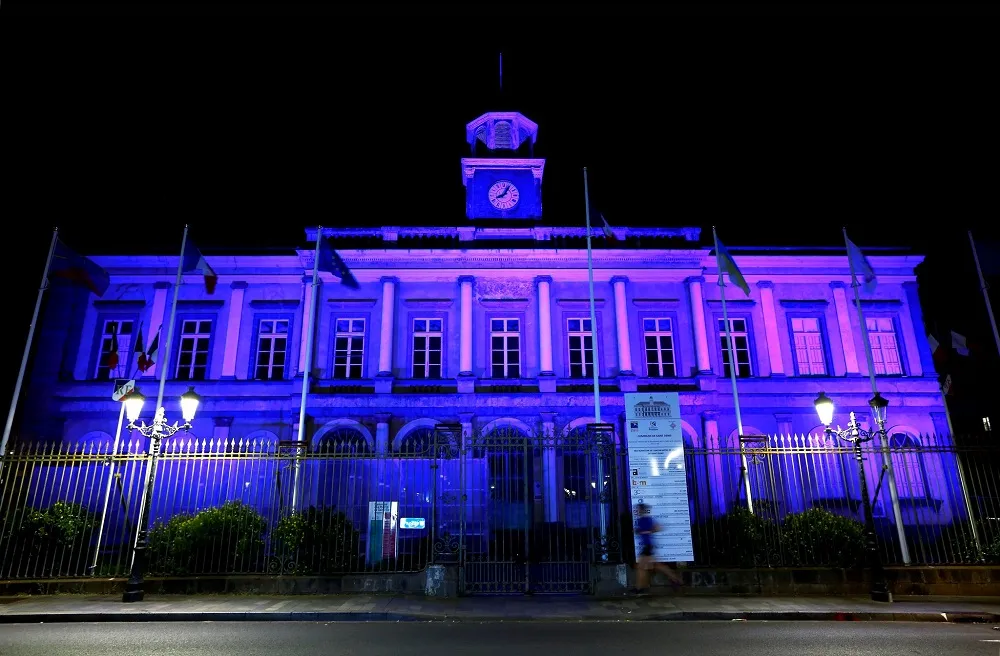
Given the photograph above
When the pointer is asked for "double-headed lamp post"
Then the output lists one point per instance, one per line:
(857, 436)
(155, 432)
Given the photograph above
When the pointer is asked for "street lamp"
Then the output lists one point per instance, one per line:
(856, 436)
(155, 432)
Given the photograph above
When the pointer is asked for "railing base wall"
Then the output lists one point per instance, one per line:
(610, 581)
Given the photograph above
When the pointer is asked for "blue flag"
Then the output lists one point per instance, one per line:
(330, 262)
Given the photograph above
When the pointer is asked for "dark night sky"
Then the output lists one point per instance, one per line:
(774, 142)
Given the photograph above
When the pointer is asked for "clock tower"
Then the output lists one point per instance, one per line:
(504, 184)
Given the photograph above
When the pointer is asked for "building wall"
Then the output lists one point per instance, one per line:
(505, 285)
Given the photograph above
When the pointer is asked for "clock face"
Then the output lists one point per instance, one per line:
(504, 195)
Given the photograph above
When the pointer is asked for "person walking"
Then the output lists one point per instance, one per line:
(645, 527)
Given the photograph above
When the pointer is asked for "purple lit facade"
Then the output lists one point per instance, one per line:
(489, 327)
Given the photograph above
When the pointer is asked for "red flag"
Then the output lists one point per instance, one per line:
(147, 359)
(111, 358)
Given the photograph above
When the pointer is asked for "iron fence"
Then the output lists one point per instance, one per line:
(519, 510)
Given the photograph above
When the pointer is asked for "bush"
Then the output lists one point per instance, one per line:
(818, 537)
(955, 546)
(737, 539)
(317, 541)
(223, 540)
(50, 542)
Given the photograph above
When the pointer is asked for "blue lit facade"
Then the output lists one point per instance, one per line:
(489, 327)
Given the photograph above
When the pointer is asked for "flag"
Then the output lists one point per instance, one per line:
(194, 262)
(946, 385)
(330, 262)
(938, 352)
(76, 269)
(862, 268)
(959, 344)
(608, 232)
(138, 342)
(148, 359)
(111, 357)
(727, 264)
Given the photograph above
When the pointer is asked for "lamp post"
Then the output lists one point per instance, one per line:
(857, 436)
(155, 432)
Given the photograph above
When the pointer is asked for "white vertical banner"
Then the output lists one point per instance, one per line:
(656, 471)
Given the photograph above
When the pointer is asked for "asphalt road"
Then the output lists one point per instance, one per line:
(500, 638)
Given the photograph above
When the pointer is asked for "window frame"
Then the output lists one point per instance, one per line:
(488, 351)
(894, 452)
(290, 355)
(824, 336)
(747, 316)
(175, 348)
(897, 335)
(641, 335)
(96, 352)
(565, 334)
(410, 332)
(365, 342)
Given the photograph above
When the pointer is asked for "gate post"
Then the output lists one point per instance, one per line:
(600, 441)
(447, 441)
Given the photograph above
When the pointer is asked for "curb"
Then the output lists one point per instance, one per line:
(675, 616)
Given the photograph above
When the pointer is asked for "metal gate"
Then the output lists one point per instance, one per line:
(528, 513)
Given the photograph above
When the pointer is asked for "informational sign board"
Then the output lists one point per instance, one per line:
(412, 522)
(382, 523)
(656, 471)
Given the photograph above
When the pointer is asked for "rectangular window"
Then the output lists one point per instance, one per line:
(272, 349)
(808, 343)
(505, 348)
(885, 351)
(349, 349)
(427, 337)
(192, 357)
(658, 336)
(113, 360)
(741, 347)
(581, 348)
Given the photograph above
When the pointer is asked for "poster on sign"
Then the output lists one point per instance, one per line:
(382, 537)
(656, 471)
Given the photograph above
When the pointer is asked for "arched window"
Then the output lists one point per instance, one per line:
(343, 440)
(908, 466)
(418, 443)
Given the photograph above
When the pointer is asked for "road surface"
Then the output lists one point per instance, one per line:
(500, 639)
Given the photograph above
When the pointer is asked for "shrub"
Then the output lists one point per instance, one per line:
(957, 546)
(50, 542)
(737, 539)
(222, 540)
(316, 541)
(818, 537)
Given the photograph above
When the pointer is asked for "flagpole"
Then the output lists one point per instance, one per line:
(986, 293)
(732, 375)
(593, 309)
(107, 488)
(164, 364)
(27, 348)
(886, 458)
(307, 369)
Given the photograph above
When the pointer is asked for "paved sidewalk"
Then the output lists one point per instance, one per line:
(362, 608)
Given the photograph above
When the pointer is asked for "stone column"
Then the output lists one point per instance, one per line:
(221, 431)
(383, 382)
(466, 377)
(550, 468)
(233, 325)
(306, 314)
(546, 377)
(766, 288)
(382, 445)
(719, 489)
(621, 323)
(844, 322)
(916, 316)
(783, 421)
(698, 324)
(156, 319)
(388, 319)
